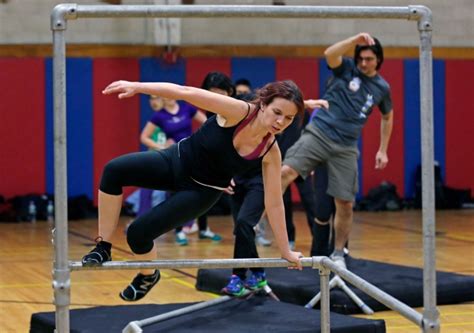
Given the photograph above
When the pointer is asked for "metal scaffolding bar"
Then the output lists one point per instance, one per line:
(64, 12)
(197, 263)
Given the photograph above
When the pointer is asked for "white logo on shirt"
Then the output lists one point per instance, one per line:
(354, 85)
(368, 103)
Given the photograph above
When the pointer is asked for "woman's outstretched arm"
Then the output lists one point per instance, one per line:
(229, 108)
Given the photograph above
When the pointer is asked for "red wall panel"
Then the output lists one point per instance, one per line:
(305, 73)
(392, 71)
(197, 69)
(116, 121)
(459, 123)
(22, 126)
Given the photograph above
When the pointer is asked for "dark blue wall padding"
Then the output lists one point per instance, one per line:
(459, 123)
(79, 127)
(157, 70)
(259, 71)
(22, 132)
(412, 129)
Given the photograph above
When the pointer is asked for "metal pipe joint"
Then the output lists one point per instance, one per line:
(61, 286)
(61, 13)
(423, 15)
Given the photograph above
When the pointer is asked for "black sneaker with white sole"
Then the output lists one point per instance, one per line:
(100, 254)
(140, 286)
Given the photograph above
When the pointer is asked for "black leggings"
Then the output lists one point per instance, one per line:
(324, 208)
(305, 189)
(160, 170)
(247, 205)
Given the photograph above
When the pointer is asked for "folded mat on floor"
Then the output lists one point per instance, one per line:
(257, 314)
(402, 282)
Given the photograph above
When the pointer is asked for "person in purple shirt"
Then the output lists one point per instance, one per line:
(175, 119)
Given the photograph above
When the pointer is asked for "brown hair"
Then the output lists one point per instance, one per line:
(283, 89)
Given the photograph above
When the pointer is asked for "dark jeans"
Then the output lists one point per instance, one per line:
(160, 170)
(247, 205)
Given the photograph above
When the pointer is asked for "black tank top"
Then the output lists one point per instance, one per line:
(209, 155)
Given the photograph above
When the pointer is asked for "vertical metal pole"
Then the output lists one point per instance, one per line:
(430, 313)
(324, 286)
(61, 273)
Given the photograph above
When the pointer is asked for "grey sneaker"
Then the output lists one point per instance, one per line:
(338, 260)
(262, 241)
(292, 245)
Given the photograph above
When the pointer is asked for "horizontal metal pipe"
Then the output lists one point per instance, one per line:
(200, 11)
(374, 292)
(196, 263)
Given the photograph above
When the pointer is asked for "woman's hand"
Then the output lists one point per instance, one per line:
(316, 103)
(230, 189)
(124, 89)
(294, 257)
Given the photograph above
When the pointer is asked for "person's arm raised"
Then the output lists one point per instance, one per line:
(334, 53)
(229, 108)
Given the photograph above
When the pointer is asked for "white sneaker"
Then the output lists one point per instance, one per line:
(208, 234)
(262, 241)
(338, 260)
(181, 238)
(190, 230)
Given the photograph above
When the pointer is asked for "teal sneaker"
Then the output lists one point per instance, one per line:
(208, 234)
(256, 281)
(235, 287)
(181, 239)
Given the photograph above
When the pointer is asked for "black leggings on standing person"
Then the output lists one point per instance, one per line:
(160, 170)
(305, 189)
(247, 206)
(322, 245)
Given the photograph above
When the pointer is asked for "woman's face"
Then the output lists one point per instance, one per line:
(219, 91)
(156, 103)
(278, 115)
(168, 102)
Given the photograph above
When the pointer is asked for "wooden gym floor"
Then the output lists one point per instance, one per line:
(392, 237)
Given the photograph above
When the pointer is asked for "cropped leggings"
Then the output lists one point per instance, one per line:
(160, 170)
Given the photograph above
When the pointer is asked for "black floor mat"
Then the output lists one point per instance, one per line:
(257, 314)
(404, 283)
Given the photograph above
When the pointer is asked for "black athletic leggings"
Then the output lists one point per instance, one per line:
(247, 205)
(160, 170)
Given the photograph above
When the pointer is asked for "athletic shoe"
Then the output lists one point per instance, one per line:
(208, 234)
(292, 245)
(190, 230)
(140, 286)
(262, 241)
(235, 287)
(100, 254)
(338, 260)
(181, 239)
(256, 281)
